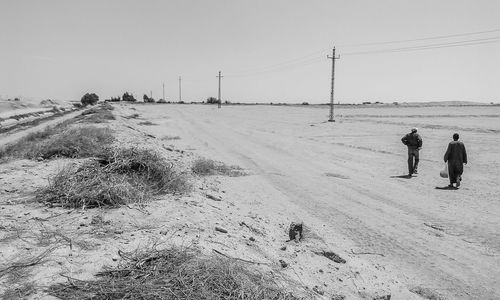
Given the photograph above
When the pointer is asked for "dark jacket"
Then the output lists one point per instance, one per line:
(456, 153)
(412, 140)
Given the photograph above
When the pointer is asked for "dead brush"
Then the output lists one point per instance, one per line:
(159, 174)
(77, 143)
(147, 123)
(117, 177)
(99, 114)
(60, 142)
(174, 273)
(204, 167)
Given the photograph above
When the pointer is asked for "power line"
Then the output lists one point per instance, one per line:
(422, 39)
(431, 46)
(284, 67)
(304, 58)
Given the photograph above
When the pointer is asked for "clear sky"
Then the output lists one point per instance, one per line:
(267, 50)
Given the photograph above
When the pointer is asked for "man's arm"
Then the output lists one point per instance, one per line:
(405, 140)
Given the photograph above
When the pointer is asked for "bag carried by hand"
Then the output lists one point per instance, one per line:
(444, 172)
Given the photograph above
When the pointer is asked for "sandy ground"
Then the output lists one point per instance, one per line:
(408, 238)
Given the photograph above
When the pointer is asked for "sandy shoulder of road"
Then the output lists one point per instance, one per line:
(57, 243)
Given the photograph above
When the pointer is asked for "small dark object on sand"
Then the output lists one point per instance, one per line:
(332, 256)
(295, 231)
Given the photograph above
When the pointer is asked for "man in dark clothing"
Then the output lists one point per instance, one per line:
(456, 156)
(414, 143)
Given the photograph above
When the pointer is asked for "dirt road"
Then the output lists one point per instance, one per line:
(348, 175)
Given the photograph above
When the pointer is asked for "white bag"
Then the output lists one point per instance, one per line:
(444, 172)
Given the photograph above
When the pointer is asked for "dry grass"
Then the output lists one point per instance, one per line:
(204, 167)
(174, 273)
(132, 116)
(19, 291)
(119, 176)
(99, 114)
(147, 123)
(170, 138)
(59, 141)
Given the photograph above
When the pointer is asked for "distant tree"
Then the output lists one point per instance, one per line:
(162, 101)
(115, 99)
(212, 100)
(147, 99)
(305, 103)
(89, 99)
(128, 97)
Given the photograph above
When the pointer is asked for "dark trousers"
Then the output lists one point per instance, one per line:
(412, 160)
(455, 169)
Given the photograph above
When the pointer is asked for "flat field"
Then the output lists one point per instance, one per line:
(397, 237)
(347, 180)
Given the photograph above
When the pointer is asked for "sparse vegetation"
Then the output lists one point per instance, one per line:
(132, 116)
(147, 123)
(59, 141)
(174, 273)
(117, 176)
(170, 137)
(204, 167)
(99, 114)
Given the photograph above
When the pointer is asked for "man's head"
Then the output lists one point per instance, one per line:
(455, 136)
(414, 130)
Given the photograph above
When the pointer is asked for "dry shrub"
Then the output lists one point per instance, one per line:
(19, 291)
(170, 138)
(147, 123)
(132, 116)
(174, 273)
(117, 177)
(203, 166)
(100, 114)
(90, 186)
(150, 165)
(77, 143)
(59, 141)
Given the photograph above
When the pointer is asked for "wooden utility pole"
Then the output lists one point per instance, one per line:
(163, 91)
(333, 58)
(180, 93)
(219, 100)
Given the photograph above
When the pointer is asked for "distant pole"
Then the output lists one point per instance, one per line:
(333, 58)
(180, 94)
(219, 101)
(163, 91)
(151, 94)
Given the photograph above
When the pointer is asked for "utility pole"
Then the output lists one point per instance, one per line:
(163, 91)
(180, 94)
(219, 101)
(333, 58)
(151, 94)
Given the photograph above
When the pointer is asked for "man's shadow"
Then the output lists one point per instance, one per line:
(402, 176)
(446, 188)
